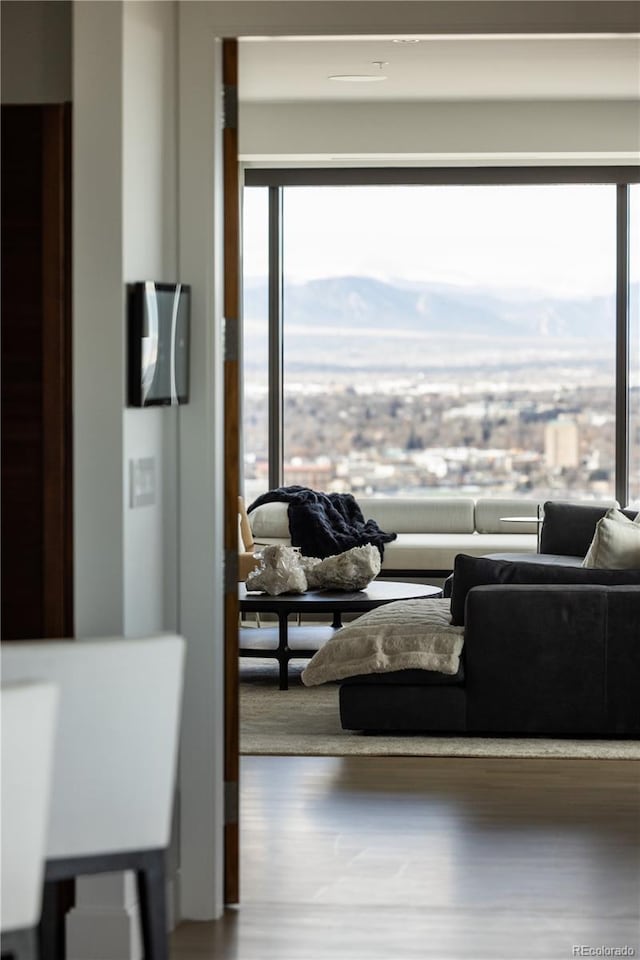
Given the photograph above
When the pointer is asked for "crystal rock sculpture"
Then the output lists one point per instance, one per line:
(284, 570)
(280, 571)
(352, 570)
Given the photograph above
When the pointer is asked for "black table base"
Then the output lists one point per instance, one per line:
(302, 642)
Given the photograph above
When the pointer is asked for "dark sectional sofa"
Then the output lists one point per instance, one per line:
(550, 649)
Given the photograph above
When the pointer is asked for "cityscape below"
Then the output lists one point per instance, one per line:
(393, 409)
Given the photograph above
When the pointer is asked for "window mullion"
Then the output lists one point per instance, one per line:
(275, 338)
(622, 343)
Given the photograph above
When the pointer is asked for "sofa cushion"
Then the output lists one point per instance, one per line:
(555, 558)
(568, 528)
(437, 551)
(616, 542)
(405, 634)
(420, 515)
(472, 572)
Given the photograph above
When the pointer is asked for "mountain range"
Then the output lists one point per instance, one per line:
(356, 323)
(363, 302)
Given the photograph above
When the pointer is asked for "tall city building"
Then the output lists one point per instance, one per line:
(561, 447)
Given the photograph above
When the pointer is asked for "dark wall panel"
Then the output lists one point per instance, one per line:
(35, 242)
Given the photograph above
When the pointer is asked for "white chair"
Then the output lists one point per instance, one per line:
(28, 728)
(114, 762)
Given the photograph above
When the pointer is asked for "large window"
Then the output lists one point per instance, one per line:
(255, 345)
(443, 339)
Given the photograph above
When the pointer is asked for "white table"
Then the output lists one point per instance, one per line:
(538, 519)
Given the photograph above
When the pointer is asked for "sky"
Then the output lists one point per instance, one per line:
(557, 239)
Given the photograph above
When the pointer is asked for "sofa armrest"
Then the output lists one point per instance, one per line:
(535, 658)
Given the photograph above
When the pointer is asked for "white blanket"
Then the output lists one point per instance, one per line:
(403, 635)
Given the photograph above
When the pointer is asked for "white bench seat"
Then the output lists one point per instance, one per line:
(431, 531)
(423, 552)
(437, 551)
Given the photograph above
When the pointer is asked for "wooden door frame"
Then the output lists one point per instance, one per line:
(232, 322)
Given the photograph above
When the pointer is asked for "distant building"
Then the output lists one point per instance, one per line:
(561, 444)
(308, 474)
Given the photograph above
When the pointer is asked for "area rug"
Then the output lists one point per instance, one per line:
(305, 721)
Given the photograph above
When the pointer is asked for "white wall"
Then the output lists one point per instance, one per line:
(132, 564)
(125, 229)
(36, 51)
(98, 320)
(442, 132)
(149, 252)
(124, 183)
(202, 470)
(133, 181)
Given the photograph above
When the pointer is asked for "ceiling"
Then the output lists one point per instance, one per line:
(442, 68)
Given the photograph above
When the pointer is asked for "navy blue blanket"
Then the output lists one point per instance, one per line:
(323, 524)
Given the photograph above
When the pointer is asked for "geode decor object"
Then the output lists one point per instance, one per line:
(280, 571)
(284, 570)
(352, 570)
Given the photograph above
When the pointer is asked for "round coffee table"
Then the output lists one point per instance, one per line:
(302, 642)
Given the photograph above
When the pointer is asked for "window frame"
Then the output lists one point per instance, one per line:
(276, 179)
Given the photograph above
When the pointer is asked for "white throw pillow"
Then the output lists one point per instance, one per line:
(403, 635)
(270, 520)
(616, 543)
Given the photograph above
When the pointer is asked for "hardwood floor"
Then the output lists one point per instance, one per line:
(363, 858)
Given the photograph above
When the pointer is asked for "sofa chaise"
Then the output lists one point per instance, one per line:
(537, 659)
(550, 648)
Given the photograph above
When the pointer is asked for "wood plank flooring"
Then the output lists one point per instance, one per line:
(363, 858)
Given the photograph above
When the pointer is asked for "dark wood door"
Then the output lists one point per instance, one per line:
(37, 498)
(232, 464)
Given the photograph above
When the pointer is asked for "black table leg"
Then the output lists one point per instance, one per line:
(336, 623)
(153, 907)
(283, 649)
(51, 929)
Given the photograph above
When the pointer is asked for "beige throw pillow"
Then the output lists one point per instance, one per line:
(616, 543)
(403, 635)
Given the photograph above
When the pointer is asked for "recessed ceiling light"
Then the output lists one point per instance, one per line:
(406, 40)
(363, 77)
(358, 77)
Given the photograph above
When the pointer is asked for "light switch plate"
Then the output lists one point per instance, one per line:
(142, 482)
